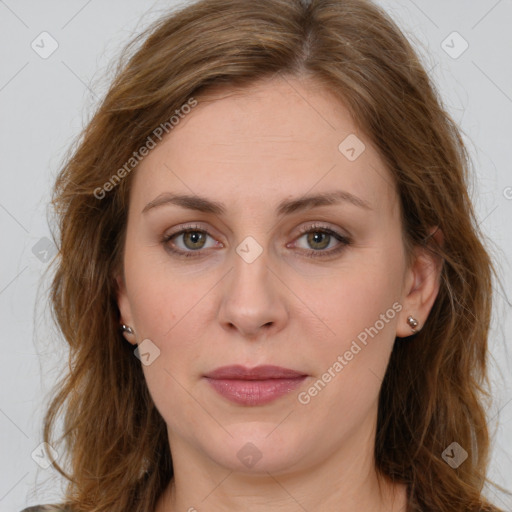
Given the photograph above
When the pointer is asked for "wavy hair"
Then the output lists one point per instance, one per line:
(433, 393)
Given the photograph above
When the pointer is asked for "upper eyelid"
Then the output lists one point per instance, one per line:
(320, 225)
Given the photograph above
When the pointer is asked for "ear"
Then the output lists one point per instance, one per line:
(123, 304)
(421, 285)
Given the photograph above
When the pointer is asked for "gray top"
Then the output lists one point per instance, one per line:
(45, 508)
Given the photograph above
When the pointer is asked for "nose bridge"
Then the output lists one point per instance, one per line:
(252, 298)
(250, 279)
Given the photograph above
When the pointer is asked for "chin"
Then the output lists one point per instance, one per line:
(258, 448)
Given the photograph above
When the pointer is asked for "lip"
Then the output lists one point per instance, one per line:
(254, 386)
(262, 372)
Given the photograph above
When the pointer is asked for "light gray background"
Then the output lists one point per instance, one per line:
(44, 104)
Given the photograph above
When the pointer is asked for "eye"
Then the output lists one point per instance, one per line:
(320, 237)
(193, 239)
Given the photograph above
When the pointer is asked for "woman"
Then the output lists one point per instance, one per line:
(261, 279)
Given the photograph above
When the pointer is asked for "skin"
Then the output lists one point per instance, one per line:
(251, 149)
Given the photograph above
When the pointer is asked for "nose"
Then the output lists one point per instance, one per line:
(253, 299)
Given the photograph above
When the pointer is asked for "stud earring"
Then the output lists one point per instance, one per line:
(127, 329)
(413, 323)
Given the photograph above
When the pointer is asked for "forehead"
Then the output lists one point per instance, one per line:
(277, 138)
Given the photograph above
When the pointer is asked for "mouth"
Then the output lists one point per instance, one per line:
(254, 386)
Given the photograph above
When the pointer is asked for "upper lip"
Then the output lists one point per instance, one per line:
(257, 373)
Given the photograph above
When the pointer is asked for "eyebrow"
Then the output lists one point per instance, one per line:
(287, 207)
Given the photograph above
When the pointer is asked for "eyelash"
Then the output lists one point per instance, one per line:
(315, 228)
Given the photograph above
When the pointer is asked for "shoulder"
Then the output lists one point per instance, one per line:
(45, 508)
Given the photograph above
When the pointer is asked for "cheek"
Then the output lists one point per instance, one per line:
(163, 299)
(360, 310)
(168, 310)
(174, 322)
(358, 297)
(351, 363)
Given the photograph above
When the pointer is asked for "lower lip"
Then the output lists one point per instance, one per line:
(254, 392)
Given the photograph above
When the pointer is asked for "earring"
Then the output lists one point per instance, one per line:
(413, 323)
(127, 329)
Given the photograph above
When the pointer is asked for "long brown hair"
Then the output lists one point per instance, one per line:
(118, 454)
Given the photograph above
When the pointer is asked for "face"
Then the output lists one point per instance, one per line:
(259, 274)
